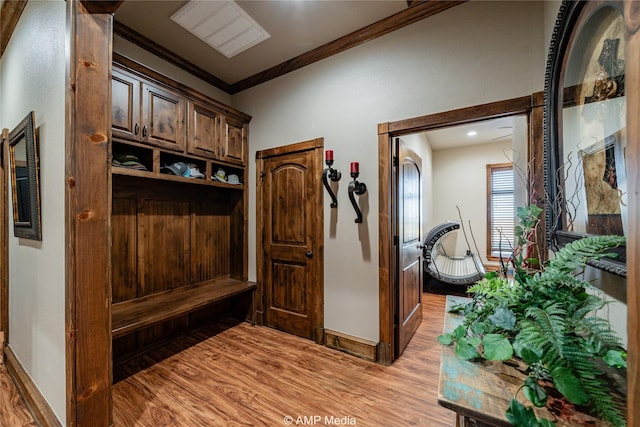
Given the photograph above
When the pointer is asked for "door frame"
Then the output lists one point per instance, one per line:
(4, 242)
(317, 310)
(531, 106)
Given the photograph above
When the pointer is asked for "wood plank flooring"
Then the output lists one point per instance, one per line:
(13, 411)
(255, 376)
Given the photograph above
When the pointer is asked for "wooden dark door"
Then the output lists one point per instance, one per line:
(408, 249)
(290, 209)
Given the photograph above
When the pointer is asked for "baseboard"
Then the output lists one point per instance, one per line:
(38, 406)
(355, 346)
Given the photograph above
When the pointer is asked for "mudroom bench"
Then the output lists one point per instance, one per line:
(135, 314)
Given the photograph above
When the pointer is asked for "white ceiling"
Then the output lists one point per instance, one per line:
(487, 131)
(295, 26)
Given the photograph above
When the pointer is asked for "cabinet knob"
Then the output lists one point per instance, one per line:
(136, 129)
(309, 254)
(144, 131)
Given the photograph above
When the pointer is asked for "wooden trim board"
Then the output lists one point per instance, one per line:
(386, 132)
(364, 349)
(38, 406)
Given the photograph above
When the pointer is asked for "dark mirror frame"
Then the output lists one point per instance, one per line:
(26, 132)
(568, 25)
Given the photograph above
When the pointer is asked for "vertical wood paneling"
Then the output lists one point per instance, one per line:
(163, 245)
(239, 232)
(124, 245)
(211, 236)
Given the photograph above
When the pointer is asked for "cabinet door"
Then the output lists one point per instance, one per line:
(203, 136)
(125, 105)
(234, 144)
(163, 115)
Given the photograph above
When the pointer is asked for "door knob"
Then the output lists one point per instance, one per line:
(309, 254)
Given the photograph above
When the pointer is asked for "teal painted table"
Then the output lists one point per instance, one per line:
(480, 393)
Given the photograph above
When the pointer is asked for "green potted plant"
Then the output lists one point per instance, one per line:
(545, 317)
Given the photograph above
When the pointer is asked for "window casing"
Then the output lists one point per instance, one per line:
(500, 210)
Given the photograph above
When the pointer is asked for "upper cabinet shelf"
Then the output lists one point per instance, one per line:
(150, 109)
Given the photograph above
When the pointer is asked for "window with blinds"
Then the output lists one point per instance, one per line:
(500, 210)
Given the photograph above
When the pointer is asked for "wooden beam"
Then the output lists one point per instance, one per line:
(10, 13)
(102, 6)
(88, 210)
(491, 110)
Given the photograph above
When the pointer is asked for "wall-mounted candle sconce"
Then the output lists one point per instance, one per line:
(332, 174)
(356, 187)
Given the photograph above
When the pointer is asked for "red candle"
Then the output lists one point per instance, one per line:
(329, 155)
(355, 167)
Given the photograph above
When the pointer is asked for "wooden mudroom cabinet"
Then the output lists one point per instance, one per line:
(147, 112)
(179, 243)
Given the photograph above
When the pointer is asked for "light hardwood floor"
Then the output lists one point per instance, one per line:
(233, 375)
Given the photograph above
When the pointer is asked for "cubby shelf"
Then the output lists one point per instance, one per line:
(166, 177)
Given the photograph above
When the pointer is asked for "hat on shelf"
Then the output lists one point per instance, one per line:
(177, 168)
(128, 160)
(220, 175)
(194, 172)
(233, 179)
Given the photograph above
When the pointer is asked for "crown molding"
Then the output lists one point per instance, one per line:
(416, 12)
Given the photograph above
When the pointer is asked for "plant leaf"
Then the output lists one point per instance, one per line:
(529, 354)
(521, 416)
(534, 392)
(503, 318)
(569, 385)
(445, 339)
(459, 332)
(465, 350)
(497, 347)
(480, 327)
(616, 358)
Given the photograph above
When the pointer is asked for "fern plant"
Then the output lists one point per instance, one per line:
(545, 317)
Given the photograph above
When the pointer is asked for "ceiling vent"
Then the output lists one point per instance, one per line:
(221, 24)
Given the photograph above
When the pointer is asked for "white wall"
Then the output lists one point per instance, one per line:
(460, 179)
(32, 77)
(472, 54)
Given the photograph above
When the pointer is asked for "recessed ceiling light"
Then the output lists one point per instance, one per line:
(222, 24)
(472, 133)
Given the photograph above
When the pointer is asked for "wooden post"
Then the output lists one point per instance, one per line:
(632, 82)
(88, 208)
